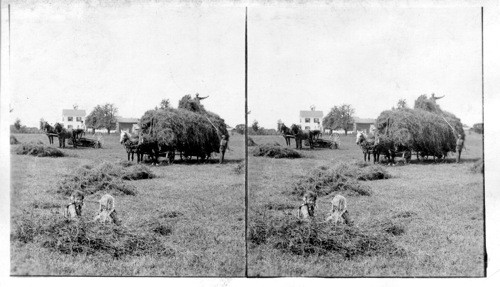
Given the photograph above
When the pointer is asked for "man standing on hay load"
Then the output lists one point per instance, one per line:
(460, 145)
(222, 148)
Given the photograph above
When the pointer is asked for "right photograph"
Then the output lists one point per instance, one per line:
(365, 142)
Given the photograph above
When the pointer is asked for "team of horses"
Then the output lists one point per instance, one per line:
(59, 131)
(373, 144)
(296, 132)
(140, 146)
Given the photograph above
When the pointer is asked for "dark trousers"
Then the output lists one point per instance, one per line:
(459, 153)
(222, 152)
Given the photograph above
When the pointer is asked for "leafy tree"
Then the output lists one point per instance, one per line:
(102, 117)
(42, 123)
(255, 126)
(17, 124)
(402, 104)
(240, 129)
(339, 117)
(165, 104)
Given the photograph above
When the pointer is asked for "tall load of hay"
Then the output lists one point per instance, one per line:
(189, 129)
(426, 129)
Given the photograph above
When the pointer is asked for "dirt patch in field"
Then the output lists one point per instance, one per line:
(106, 177)
(86, 237)
(38, 149)
(343, 177)
(275, 151)
(305, 238)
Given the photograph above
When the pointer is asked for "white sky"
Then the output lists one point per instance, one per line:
(134, 55)
(366, 57)
(129, 55)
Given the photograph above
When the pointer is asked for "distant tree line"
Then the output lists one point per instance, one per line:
(18, 128)
(255, 129)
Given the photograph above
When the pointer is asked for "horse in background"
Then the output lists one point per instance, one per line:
(369, 145)
(300, 135)
(49, 131)
(64, 134)
(287, 133)
(131, 145)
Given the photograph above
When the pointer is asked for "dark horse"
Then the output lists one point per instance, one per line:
(369, 145)
(64, 134)
(391, 150)
(131, 145)
(50, 132)
(300, 135)
(287, 133)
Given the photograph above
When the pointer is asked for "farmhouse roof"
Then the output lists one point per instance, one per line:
(311, 114)
(363, 121)
(73, 113)
(127, 120)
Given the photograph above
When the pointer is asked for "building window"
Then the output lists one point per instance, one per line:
(78, 119)
(70, 119)
(316, 120)
(70, 126)
(308, 128)
(308, 120)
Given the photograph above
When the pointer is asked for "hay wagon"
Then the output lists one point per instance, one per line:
(323, 143)
(86, 142)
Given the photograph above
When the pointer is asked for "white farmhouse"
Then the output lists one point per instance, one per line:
(73, 118)
(312, 119)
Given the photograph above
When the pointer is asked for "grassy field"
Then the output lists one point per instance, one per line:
(208, 238)
(443, 236)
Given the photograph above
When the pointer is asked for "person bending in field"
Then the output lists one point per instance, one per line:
(460, 145)
(222, 148)
(339, 212)
(107, 212)
(74, 209)
(306, 210)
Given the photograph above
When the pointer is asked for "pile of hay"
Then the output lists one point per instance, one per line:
(106, 177)
(13, 140)
(275, 151)
(289, 234)
(343, 177)
(251, 142)
(86, 237)
(38, 149)
(478, 166)
(193, 133)
(426, 129)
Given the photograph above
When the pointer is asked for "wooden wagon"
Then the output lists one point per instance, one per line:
(86, 142)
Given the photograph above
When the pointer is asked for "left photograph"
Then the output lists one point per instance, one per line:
(126, 141)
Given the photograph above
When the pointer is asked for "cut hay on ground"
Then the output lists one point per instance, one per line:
(87, 238)
(38, 149)
(105, 177)
(291, 235)
(426, 129)
(275, 151)
(343, 177)
(478, 166)
(13, 140)
(193, 133)
(251, 142)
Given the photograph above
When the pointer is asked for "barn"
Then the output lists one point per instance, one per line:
(127, 124)
(363, 124)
